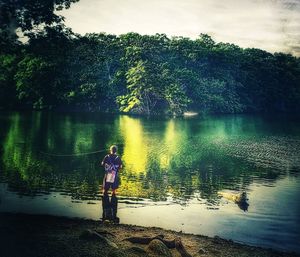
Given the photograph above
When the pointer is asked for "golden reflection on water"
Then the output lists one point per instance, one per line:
(173, 157)
(135, 150)
(169, 140)
(148, 158)
(134, 157)
(139, 146)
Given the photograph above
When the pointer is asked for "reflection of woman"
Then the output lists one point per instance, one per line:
(112, 164)
(110, 209)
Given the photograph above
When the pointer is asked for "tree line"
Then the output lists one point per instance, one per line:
(143, 74)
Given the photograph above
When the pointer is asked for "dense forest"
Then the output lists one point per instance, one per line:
(56, 69)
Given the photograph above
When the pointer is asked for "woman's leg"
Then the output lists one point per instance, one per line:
(105, 186)
(115, 186)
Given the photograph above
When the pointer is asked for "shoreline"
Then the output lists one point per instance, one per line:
(46, 235)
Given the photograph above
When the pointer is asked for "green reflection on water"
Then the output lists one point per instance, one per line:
(181, 158)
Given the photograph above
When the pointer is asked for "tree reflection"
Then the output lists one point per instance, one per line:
(176, 158)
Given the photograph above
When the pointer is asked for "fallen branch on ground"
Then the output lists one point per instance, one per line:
(180, 248)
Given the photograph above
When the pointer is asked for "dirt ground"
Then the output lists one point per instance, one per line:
(40, 235)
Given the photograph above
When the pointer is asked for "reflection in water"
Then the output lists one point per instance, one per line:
(170, 144)
(176, 158)
(243, 205)
(240, 199)
(110, 208)
(175, 161)
(134, 157)
(135, 147)
(21, 165)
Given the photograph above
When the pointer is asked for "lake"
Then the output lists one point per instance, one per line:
(179, 173)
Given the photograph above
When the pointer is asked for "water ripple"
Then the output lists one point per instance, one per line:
(277, 153)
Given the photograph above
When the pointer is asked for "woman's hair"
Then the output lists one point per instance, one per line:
(113, 149)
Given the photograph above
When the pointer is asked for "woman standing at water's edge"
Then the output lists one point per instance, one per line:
(112, 164)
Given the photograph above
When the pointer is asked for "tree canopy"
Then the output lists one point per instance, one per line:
(30, 13)
(133, 73)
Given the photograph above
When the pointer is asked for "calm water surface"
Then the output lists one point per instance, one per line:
(179, 174)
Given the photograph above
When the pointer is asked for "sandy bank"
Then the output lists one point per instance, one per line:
(40, 235)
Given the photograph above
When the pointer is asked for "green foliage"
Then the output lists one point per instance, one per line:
(29, 14)
(32, 81)
(7, 85)
(145, 74)
(143, 91)
(176, 98)
(92, 72)
(6, 62)
(216, 96)
(136, 85)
